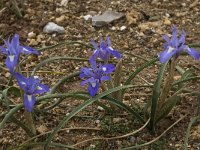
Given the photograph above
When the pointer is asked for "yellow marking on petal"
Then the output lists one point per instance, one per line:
(11, 57)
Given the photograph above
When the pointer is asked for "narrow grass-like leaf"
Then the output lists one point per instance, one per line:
(186, 74)
(13, 90)
(55, 145)
(64, 79)
(22, 125)
(138, 70)
(9, 114)
(155, 96)
(56, 58)
(193, 120)
(117, 80)
(80, 108)
(122, 105)
(185, 80)
(167, 107)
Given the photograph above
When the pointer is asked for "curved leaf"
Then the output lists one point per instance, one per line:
(80, 108)
(155, 96)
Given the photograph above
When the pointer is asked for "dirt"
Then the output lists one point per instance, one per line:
(145, 23)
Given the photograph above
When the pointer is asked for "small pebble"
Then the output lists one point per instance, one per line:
(123, 28)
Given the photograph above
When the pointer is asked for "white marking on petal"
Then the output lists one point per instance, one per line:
(24, 49)
(93, 84)
(39, 88)
(11, 57)
(23, 82)
(170, 49)
(110, 48)
(188, 49)
(29, 98)
(95, 50)
(104, 68)
(36, 77)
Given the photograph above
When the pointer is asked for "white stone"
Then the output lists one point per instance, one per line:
(123, 28)
(51, 27)
(31, 35)
(87, 17)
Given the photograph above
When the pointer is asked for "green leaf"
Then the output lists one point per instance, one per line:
(193, 120)
(54, 59)
(33, 144)
(167, 107)
(10, 90)
(188, 73)
(63, 80)
(9, 115)
(155, 96)
(22, 125)
(127, 108)
(80, 108)
(137, 71)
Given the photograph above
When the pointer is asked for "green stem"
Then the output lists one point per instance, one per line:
(29, 121)
(16, 9)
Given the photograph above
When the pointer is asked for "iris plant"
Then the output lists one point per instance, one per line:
(96, 76)
(104, 51)
(31, 86)
(12, 49)
(175, 46)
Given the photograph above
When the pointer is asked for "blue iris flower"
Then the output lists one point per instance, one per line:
(104, 51)
(95, 76)
(175, 46)
(31, 86)
(12, 49)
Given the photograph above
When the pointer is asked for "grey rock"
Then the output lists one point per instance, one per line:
(106, 18)
(51, 27)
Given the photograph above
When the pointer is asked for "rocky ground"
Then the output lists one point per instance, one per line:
(138, 31)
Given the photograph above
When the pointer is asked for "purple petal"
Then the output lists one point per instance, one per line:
(15, 41)
(94, 44)
(93, 88)
(22, 81)
(105, 78)
(182, 38)
(93, 59)
(29, 102)
(3, 50)
(86, 72)
(114, 53)
(166, 38)
(108, 68)
(166, 55)
(86, 81)
(193, 52)
(108, 41)
(11, 62)
(41, 88)
(29, 50)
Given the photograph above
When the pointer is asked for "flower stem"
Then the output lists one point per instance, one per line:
(167, 84)
(29, 121)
